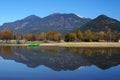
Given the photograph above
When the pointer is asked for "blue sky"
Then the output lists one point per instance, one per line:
(11, 10)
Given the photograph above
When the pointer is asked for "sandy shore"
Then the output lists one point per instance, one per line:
(83, 44)
(73, 44)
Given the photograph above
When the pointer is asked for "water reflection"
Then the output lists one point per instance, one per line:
(59, 59)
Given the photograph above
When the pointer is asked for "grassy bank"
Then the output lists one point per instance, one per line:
(73, 44)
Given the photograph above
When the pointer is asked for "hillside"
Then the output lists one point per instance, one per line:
(54, 22)
(102, 23)
(63, 23)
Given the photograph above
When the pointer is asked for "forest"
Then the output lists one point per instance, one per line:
(77, 36)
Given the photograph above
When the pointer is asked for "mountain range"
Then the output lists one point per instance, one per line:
(54, 22)
(61, 22)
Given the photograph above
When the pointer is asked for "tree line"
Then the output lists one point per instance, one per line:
(89, 36)
(77, 36)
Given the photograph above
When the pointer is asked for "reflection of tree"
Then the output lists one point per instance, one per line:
(88, 52)
(71, 49)
(104, 51)
(104, 58)
(34, 57)
(79, 51)
(50, 50)
(6, 50)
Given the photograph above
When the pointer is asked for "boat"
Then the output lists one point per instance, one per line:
(32, 45)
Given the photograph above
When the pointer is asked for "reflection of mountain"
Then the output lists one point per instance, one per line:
(62, 59)
(104, 58)
(33, 57)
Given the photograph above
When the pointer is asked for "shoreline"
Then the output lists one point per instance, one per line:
(73, 44)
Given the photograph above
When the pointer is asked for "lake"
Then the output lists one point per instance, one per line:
(55, 63)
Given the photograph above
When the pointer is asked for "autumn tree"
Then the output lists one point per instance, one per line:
(7, 35)
(42, 36)
(1, 35)
(19, 36)
(49, 35)
(54, 36)
(31, 37)
(70, 37)
(108, 36)
(101, 35)
(117, 36)
(57, 36)
(88, 35)
(79, 35)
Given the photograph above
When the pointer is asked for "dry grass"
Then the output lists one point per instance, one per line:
(73, 44)
(83, 44)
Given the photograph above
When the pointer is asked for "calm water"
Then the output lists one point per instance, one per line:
(54, 63)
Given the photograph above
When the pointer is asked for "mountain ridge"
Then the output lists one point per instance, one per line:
(54, 22)
(102, 23)
(63, 23)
